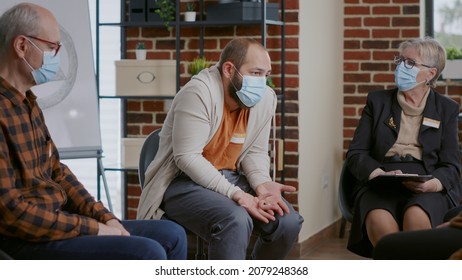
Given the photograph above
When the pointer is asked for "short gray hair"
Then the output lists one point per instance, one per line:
(430, 51)
(21, 19)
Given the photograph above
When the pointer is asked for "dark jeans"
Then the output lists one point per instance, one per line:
(149, 240)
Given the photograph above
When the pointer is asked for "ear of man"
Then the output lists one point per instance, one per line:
(228, 69)
(20, 46)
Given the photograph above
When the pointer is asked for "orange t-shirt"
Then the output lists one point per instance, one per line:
(226, 145)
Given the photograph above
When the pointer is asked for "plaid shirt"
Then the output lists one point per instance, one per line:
(40, 198)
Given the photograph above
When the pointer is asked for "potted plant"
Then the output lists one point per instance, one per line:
(453, 69)
(197, 65)
(166, 10)
(190, 14)
(270, 83)
(140, 51)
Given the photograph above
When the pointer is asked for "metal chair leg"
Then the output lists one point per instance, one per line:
(200, 255)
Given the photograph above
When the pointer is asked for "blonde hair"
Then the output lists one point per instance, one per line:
(430, 51)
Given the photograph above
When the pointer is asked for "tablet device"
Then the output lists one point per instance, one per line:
(389, 179)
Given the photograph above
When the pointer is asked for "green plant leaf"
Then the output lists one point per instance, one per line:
(140, 46)
(166, 11)
(453, 53)
(190, 6)
(197, 65)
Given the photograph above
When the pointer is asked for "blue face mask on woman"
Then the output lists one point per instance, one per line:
(252, 90)
(405, 78)
(50, 67)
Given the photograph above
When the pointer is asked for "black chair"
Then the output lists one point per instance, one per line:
(147, 154)
(4, 256)
(345, 201)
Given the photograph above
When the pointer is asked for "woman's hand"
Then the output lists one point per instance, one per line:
(380, 171)
(421, 187)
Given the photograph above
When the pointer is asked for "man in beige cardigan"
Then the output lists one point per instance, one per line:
(211, 172)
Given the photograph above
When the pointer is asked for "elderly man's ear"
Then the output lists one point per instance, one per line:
(20, 46)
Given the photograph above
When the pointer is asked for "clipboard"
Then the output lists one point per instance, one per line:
(390, 179)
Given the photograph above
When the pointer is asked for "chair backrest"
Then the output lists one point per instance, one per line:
(4, 256)
(147, 154)
(345, 191)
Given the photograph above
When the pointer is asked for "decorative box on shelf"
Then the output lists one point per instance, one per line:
(145, 77)
(241, 11)
(137, 11)
(130, 151)
(143, 11)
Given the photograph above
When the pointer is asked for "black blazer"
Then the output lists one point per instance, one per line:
(378, 129)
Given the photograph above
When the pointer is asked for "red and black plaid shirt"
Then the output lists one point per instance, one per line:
(40, 198)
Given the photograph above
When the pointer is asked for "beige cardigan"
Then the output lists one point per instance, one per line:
(191, 122)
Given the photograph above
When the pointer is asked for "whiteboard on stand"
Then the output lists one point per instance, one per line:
(70, 106)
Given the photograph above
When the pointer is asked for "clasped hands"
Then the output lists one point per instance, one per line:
(267, 202)
(112, 227)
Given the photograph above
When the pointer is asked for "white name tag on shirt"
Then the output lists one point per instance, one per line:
(238, 139)
(431, 123)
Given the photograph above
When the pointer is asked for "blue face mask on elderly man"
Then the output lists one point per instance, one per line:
(252, 90)
(49, 69)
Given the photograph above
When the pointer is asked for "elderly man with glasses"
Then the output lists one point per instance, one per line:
(45, 212)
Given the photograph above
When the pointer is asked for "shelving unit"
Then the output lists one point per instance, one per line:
(201, 23)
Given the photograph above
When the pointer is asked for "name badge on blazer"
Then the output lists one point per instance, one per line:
(431, 123)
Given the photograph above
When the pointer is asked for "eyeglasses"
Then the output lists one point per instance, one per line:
(408, 63)
(57, 45)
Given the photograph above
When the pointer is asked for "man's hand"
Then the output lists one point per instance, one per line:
(250, 204)
(269, 194)
(112, 227)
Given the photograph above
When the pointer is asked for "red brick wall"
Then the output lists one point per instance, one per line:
(144, 116)
(373, 31)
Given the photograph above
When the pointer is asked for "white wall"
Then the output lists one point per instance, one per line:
(321, 112)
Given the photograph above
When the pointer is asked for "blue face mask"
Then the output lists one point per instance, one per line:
(252, 90)
(50, 67)
(405, 78)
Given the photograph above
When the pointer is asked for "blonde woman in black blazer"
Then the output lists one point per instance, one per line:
(408, 129)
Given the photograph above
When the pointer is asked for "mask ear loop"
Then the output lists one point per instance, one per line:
(231, 80)
(238, 71)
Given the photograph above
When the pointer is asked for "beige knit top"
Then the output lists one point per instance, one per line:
(411, 119)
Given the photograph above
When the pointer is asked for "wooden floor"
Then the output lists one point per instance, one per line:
(329, 248)
(332, 249)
